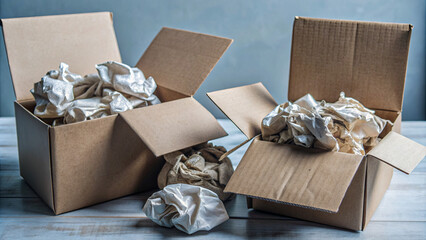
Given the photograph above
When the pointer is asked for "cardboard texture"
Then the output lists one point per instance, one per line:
(76, 165)
(399, 152)
(34, 137)
(350, 214)
(246, 106)
(111, 162)
(378, 178)
(36, 45)
(368, 62)
(289, 174)
(181, 60)
(174, 125)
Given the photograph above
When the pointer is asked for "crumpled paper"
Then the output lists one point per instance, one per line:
(344, 126)
(189, 208)
(116, 88)
(198, 166)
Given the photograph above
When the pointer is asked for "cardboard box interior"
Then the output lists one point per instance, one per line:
(76, 165)
(368, 62)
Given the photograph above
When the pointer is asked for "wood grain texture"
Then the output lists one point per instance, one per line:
(143, 228)
(401, 214)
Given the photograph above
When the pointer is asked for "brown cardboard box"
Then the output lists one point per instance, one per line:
(368, 62)
(77, 165)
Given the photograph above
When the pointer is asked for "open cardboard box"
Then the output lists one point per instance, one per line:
(368, 62)
(76, 165)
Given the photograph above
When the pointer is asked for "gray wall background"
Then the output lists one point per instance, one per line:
(261, 30)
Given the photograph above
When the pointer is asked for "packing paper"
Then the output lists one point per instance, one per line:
(73, 98)
(189, 208)
(343, 126)
(198, 166)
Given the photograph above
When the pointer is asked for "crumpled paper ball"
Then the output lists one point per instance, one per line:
(188, 208)
(344, 126)
(200, 166)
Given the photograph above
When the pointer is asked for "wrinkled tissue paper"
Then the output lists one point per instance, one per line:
(198, 166)
(115, 88)
(188, 208)
(344, 126)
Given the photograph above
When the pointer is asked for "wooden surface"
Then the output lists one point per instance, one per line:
(401, 214)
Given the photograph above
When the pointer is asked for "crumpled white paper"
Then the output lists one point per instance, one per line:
(200, 166)
(188, 208)
(116, 88)
(343, 126)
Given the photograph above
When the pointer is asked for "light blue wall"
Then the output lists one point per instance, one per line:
(261, 30)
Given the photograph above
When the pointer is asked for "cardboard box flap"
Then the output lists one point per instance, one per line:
(246, 106)
(36, 45)
(366, 60)
(294, 175)
(399, 152)
(174, 125)
(181, 60)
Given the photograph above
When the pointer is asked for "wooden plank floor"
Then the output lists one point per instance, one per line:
(401, 214)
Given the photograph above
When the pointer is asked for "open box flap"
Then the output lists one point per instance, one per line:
(246, 106)
(399, 152)
(36, 45)
(366, 60)
(174, 125)
(294, 175)
(181, 60)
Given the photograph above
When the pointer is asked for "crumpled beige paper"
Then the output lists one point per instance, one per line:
(198, 166)
(343, 126)
(189, 208)
(116, 88)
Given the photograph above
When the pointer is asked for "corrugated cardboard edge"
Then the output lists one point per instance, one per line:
(284, 203)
